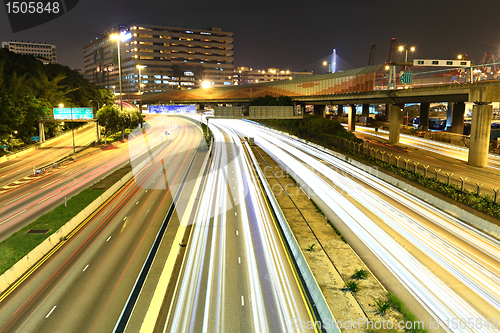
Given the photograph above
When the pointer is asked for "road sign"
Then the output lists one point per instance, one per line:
(166, 133)
(35, 138)
(406, 77)
(76, 113)
(3, 146)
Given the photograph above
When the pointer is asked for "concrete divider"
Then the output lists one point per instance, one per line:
(325, 315)
(459, 213)
(28, 261)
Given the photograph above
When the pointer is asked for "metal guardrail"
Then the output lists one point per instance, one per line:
(317, 297)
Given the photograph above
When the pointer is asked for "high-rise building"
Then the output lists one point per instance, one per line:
(170, 58)
(41, 51)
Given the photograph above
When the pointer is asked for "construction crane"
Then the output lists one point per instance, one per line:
(487, 65)
(371, 59)
(392, 51)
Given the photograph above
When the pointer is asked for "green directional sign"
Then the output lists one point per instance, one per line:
(4, 146)
(406, 77)
(73, 113)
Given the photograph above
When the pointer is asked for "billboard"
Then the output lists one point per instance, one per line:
(172, 109)
(73, 113)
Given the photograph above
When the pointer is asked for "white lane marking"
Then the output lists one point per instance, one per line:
(69, 174)
(239, 260)
(47, 316)
(124, 218)
(10, 218)
(137, 202)
(242, 301)
(236, 232)
(235, 213)
(146, 191)
(96, 171)
(39, 202)
(76, 182)
(17, 198)
(154, 181)
(85, 268)
(108, 238)
(110, 164)
(50, 183)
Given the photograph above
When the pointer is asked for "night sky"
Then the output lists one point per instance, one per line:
(290, 35)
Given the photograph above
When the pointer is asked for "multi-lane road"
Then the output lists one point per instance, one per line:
(22, 166)
(449, 267)
(84, 286)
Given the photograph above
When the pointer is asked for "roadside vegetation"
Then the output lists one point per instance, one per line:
(29, 90)
(20, 243)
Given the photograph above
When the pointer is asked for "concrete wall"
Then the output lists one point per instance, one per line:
(271, 111)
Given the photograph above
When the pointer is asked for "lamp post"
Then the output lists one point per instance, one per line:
(12, 139)
(118, 39)
(326, 63)
(140, 93)
(401, 49)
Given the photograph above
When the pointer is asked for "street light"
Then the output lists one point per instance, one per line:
(12, 140)
(401, 49)
(118, 39)
(326, 63)
(140, 94)
(206, 84)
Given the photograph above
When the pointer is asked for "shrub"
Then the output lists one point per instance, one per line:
(382, 305)
(352, 285)
(360, 274)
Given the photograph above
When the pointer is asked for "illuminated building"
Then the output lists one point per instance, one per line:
(40, 51)
(172, 58)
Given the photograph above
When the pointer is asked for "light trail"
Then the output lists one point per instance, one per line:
(475, 265)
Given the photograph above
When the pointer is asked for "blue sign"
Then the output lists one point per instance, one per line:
(35, 138)
(3, 146)
(172, 109)
(73, 113)
(406, 77)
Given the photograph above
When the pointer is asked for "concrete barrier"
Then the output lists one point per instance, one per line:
(28, 261)
(325, 315)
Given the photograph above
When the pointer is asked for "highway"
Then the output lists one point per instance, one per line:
(84, 286)
(22, 166)
(451, 269)
(446, 158)
(236, 275)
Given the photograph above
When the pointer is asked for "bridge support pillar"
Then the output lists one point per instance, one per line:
(366, 110)
(394, 123)
(480, 134)
(387, 112)
(351, 118)
(424, 116)
(340, 110)
(320, 110)
(457, 120)
(449, 115)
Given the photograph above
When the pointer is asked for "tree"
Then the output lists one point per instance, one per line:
(109, 117)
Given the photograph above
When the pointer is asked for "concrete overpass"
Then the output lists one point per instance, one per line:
(359, 87)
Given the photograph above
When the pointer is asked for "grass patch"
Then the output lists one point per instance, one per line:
(398, 305)
(116, 136)
(20, 244)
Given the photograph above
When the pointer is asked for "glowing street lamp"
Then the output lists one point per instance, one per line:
(12, 139)
(401, 49)
(118, 38)
(326, 63)
(206, 84)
